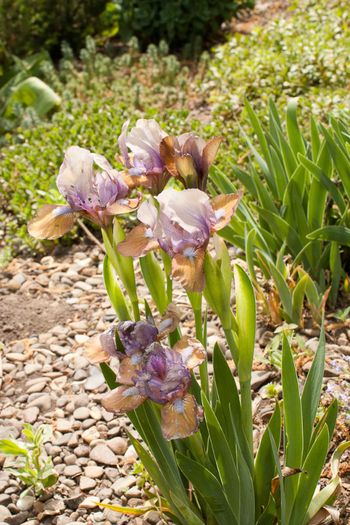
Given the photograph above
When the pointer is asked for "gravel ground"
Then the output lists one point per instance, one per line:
(48, 310)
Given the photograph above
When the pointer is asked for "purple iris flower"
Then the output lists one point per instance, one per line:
(163, 375)
(144, 163)
(136, 337)
(182, 227)
(91, 187)
(188, 158)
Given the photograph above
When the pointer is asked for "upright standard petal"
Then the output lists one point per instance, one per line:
(51, 222)
(123, 399)
(76, 173)
(181, 417)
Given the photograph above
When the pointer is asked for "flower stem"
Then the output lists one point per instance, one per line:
(247, 415)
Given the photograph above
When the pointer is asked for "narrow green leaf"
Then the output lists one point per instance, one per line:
(115, 294)
(298, 299)
(209, 488)
(109, 375)
(310, 398)
(292, 409)
(328, 494)
(339, 234)
(294, 135)
(309, 477)
(246, 320)
(265, 468)
(224, 459)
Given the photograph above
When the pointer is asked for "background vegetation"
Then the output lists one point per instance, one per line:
(302, 52)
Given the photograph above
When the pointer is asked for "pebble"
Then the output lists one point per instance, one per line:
(16, 282)
(90, 434)
(43, 402)
(17, 519)
(86, 483)
(123, 484)
(4, 513)
(260, 377)
(63, 425)
(118, 445)
(101, 453)
(81, 413)
(92, 471)
(95, 380)
(72, 471)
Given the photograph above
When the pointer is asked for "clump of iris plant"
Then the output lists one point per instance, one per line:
(92, 189)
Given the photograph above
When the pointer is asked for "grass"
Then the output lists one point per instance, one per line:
(304, 53)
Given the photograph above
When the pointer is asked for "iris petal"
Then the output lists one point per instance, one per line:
(191, 350)
(51, 222)
(181, 417)
(189, 271)
(122, 399)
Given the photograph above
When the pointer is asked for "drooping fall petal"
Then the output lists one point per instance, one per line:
(128, 369)
(122, 399)
(191, 350)
(51, 222)
(224, 207)
(181, 417)
(188, 269)
(138, 242)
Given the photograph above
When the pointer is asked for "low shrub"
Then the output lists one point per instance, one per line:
(27, 27)
(179, 23)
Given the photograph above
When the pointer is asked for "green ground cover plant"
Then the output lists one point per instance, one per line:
(98, 93)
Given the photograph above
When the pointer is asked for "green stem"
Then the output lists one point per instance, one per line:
(247, 414)
(136, 309)
(232, 345)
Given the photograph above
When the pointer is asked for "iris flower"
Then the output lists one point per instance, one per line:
(91, 187)
(163, 375)
(181, 226)
(188, 158)
(144, 163)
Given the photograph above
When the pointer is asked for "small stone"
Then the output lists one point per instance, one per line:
(81, 413)
(93, 471)
(123, 484)
(259, 378)
(118, 445)
(63, 425)
(87, 483)
(30, 414)
(81, 451)
(71, 471)
(95, 380)
(4, 513)
(90, 434)
(43, 402)
(103, 454)
(112, 516)
(71, 459)
(81, 400)
(73, 502)
(153, 517)
(16, 282)
(89, 503)
(17, 519)
(25, 502)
